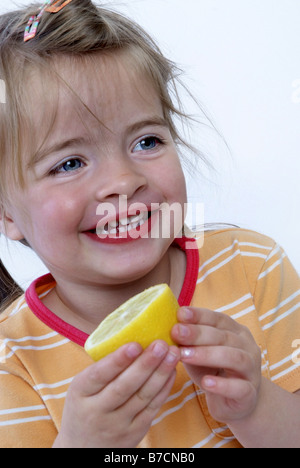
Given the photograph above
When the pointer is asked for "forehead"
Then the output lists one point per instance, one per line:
(98, 89)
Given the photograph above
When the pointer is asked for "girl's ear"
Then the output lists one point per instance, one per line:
(8, 226)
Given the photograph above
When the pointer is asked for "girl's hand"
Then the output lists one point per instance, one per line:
(113, 402)
(223, 359)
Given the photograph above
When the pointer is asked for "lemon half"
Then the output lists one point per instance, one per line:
(144, 318)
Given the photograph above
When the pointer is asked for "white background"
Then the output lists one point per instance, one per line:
(241, 60)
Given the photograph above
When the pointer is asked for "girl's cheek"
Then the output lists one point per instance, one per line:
(59, 211)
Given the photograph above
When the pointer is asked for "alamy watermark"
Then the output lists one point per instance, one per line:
(155, 221)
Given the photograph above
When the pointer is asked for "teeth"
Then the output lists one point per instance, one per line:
(133, 219)
(137, 219)
(113, 224)
(124, 221)
(124, 225)
(134, 225)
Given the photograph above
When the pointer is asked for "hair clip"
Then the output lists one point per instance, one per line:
(32, 25)
(55, 9)
(33, 22)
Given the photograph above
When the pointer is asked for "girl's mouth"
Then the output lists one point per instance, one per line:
(125, 229)
(124, 225)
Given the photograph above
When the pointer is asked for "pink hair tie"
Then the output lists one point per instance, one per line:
(51, 6)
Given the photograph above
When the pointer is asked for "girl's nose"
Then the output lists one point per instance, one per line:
(120, 178)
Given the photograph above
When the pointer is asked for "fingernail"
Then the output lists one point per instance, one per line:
(188, 314)
(186, 353)
(209, 382)
(159, 350)
(171, 358)
(133, 350)
(184, 331)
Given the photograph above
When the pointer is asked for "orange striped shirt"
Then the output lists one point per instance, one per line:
(240, 273)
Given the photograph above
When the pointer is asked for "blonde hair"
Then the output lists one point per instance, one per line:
(79, 29)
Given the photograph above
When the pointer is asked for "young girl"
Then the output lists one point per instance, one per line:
(87, 129)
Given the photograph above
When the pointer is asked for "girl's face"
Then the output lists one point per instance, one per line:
(108, 154)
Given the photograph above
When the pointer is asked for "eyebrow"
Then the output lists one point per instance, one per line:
(72, 142)
(152, 122)
(55, 148)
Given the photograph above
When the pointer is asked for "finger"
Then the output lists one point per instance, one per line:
(143, 418)
(232, 388)
(219, 357)
(135, 376)
(97, 376)
(151, 393)
(203, 335)
(195, 315)
(240, 396)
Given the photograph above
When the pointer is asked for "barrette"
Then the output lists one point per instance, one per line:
(61, 4)
(51, 6)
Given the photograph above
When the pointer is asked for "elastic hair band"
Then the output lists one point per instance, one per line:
(51, 6)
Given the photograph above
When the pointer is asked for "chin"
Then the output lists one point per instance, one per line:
(128, 267)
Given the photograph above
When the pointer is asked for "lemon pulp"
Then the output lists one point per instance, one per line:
(144, 318)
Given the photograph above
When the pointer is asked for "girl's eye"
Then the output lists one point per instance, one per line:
(68, 166)
(147, 144)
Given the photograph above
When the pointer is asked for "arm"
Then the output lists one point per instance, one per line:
(275, 423)
(222, 358)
